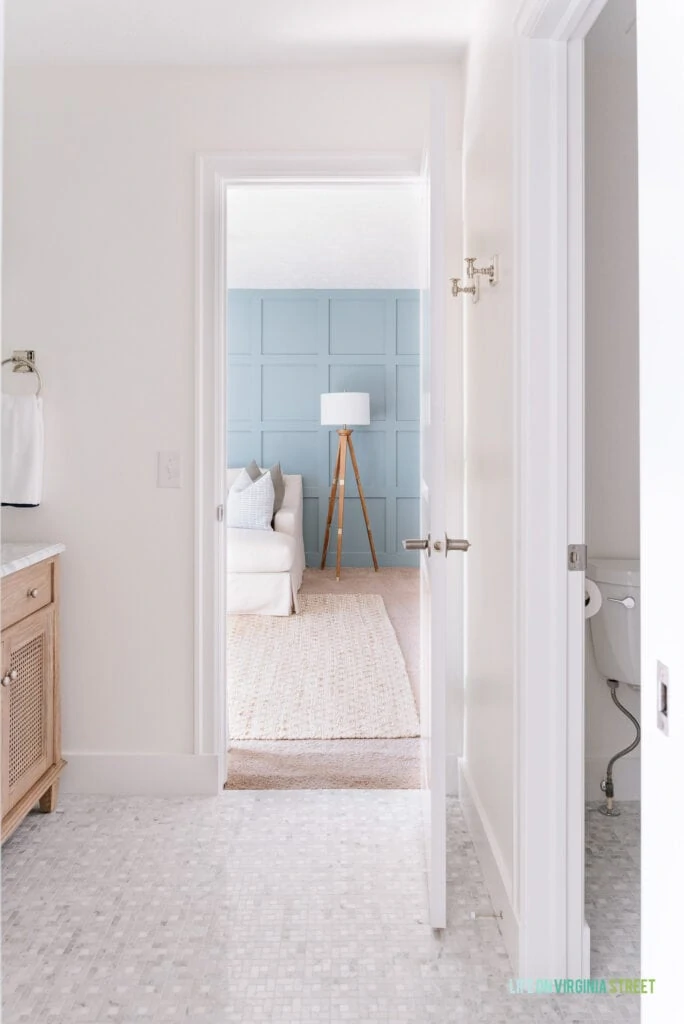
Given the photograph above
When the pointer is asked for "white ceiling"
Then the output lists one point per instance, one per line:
(235, 32)
(344, 236)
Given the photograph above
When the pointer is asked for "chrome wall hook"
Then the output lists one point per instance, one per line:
(491, 272)
(457, 289)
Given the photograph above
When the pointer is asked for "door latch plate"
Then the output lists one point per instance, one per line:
(577, 557)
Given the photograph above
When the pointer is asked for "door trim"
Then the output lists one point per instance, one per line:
(549, 444)
(213, 174)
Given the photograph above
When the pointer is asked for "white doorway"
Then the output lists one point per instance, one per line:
(323, 288)
(215, 174)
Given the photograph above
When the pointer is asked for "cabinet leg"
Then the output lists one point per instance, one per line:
(48, 801)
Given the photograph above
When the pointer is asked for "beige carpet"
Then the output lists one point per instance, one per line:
(327, 764)
(334, 671)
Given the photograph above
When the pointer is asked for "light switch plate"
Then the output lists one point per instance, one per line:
(168, 469)
(663, 697)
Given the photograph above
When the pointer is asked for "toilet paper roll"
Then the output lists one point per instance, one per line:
(592, 599)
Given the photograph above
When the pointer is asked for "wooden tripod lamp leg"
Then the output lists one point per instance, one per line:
(363, 503)
(344, 439)
(331, 504)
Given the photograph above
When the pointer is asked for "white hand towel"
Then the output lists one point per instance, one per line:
(22, 450)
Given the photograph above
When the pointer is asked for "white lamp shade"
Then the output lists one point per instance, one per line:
(350, 408)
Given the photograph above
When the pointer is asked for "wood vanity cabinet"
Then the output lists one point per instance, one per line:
(30, 751)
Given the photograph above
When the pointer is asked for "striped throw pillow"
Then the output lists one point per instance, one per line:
(250, 503)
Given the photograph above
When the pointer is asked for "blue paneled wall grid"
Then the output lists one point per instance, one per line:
(285, 348)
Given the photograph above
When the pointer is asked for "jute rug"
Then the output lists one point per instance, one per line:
(333, 671)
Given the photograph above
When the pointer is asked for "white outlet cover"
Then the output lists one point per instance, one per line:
(168, 469)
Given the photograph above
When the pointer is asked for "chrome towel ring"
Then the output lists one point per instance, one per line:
(30, 366)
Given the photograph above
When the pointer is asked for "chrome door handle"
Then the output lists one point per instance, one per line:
(451, 545)
(626, 602)
(11, 677)
(418, 544)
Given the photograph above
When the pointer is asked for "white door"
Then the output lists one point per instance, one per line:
(433, 541)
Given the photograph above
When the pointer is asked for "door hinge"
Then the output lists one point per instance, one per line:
(577, 557)
(220, 513)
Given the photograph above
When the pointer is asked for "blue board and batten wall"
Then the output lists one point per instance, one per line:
(285, 348)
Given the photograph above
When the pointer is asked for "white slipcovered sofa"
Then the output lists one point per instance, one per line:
(265, 567)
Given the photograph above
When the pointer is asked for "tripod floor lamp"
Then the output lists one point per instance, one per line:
(351, 409)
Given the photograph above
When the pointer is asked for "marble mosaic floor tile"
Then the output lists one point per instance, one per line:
(286, 906)
(612, 889)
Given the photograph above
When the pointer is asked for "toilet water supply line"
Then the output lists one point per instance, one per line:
(607, 784)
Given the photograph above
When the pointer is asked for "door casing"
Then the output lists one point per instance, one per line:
(214, 174)
(549, 445)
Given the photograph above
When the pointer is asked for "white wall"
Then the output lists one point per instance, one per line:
(347, 236)
(661, 227)
(99, 241)
(612, 285)
(489, 343)
(612, 355)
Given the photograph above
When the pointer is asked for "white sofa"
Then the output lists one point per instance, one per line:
(265, 567)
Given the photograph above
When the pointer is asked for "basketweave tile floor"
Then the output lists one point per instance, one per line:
(299, 906)
(612, 888)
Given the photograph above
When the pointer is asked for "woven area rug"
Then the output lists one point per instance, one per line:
(333, 671)
(324, 764)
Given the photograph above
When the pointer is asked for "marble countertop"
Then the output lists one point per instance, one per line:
(16, 556)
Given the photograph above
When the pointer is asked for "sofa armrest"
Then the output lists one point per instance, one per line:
(288, 518)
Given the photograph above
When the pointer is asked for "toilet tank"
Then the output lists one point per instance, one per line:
(616, 627)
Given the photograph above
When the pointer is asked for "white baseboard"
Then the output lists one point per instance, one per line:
(142, 774)
(453, 784)
(626, 778)
(497, 876)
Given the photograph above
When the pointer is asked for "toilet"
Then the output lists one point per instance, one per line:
(615, 633)
(615, 628)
